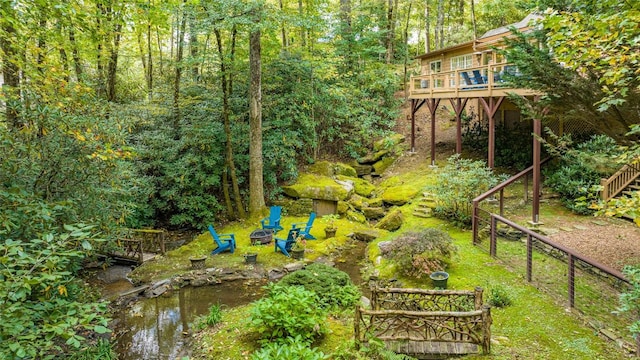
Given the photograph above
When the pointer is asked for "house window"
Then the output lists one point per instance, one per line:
(436, 66)
(461, 62)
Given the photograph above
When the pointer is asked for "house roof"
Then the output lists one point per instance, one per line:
(526, 22)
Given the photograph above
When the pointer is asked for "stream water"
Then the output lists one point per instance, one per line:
(159, 328)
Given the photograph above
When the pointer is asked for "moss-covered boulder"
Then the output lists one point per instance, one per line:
(362, 169)
(295, 207)
(367, 235)
(356, 216)
(388, 142)
(382, 165)
(392, 221)
(399, 195)
(343, 207)
(357, 202)
(361, 187)
(374, 157)
(373, 212)
(313, 186)
(375, 202)
(330, 169)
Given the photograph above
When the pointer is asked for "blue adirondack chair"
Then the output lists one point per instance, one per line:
(306, 231)
(273, 221)
(224, 241)
(467, 79)
(285, 245)
(478, 77)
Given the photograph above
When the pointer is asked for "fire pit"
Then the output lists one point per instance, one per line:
(260, 236)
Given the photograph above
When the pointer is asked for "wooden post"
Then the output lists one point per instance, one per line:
(432, 104)
(529, 256)
(491, 108)
(415, 106)
(571, 279)
(502, 202)
(486, 329)
(535, 212)
(474, 223)
(458, 106)
(492, 244)
(356, 328)
(478, 298)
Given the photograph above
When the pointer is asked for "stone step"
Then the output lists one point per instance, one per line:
(422, 215)
(423, 210)
(428, 204)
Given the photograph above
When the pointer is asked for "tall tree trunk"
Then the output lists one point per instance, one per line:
(178, 76)
(256, 191)
(473, 20)
(440, 25)
(283, 32)
(143, 56)
(406, 51)
(113, 63)
(390, 32)
(427, 28)
(10, 70)
(193, 44)
(149, 64)
(303, 30)
(461, 12)
(159, 41)
(77, 64)
(224, 76)
(347, 33)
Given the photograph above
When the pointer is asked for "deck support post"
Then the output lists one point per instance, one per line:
(537, 135)
(415, 106)
(458, 105)
(491, 108)
(432, 104)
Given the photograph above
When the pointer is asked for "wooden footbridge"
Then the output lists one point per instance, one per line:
(426, 324)
(140, 245)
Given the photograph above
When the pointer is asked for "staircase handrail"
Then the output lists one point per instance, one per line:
(620, 180)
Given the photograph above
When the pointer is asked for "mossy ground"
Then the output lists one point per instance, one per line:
(534, 326)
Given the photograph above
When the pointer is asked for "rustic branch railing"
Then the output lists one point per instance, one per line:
(406, 315)
(619, 181)
(131, 249)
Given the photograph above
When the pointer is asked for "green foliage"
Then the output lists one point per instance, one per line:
(214, 316)
(102, 350)
(630, 300)
(499, 297)
(457, 184)
(332, 286)
(40, 302)
(579, 170)
(288, 311)
(288, 349)
(515, 150)
(420, 253)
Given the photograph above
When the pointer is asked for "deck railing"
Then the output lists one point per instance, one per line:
(475, 78)
(619, 181)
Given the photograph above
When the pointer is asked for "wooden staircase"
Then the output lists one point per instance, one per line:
(425, 206)
(626, 179)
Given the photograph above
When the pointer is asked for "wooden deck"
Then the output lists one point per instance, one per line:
(452, 84)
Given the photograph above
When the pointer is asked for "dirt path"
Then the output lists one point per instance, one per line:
(611, 242)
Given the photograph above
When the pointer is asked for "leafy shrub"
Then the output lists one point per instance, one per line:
(499, 297)
(332, 286)
(577, 174)
(288, 311)
(102, 350)
(39, 299)
(420, 253)
(374, 349)
(457, 184)
(288, 349)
